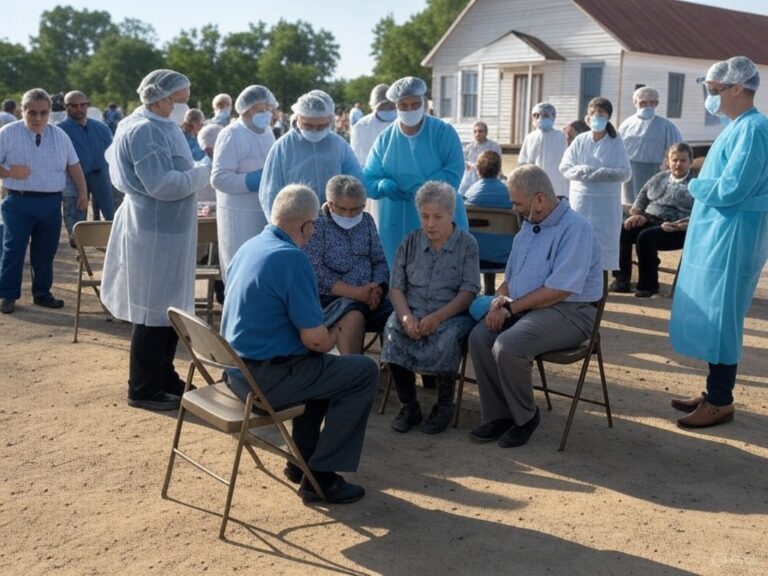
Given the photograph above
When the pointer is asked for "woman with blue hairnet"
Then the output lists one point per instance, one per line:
(545, 146)
(238, 165)
(415, 149)
(727, 242)
(150, 259)
(310, 154)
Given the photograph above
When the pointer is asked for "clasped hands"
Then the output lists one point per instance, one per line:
(418, 329)
(370, 294)
(497, 314)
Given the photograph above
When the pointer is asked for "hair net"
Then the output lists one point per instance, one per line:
(378, 95)
(737, 70)
(254, 95)
(314, 104)
(408, 86)
(208, 134)
(161, 84)
(544, 108)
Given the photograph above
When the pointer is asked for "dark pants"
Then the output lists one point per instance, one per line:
(337, 389)
(100, 189)
(151, 370)
(33, 220)
(649, 239)
(720, 383)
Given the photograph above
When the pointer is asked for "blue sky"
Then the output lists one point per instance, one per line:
(351, 21)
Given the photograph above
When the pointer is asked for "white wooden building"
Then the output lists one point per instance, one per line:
(499, 57)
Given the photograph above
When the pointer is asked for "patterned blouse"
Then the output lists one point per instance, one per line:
(665, 198)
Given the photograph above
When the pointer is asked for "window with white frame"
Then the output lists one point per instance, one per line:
(447, 90)
(469, 94)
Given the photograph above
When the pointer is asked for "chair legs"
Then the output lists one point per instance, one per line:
(460, 389)
(77, 304)
(544, 388)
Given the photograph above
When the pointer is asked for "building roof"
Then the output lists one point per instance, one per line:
(512, 47)
(685, 29)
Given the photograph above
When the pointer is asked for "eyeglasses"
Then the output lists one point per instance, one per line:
(716, 91)
(79, 105)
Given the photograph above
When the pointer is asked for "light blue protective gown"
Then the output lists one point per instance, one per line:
(726, 245)
(295, 160)
(398, 165)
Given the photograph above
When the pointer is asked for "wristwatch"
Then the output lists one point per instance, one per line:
(508, 307)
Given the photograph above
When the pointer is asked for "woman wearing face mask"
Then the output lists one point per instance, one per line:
(545, 146)
(413, 150)
(150, 259)
(311, 153)
(241, 151)
(596, 163)
(352, 273)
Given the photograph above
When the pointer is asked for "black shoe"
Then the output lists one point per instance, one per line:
(519, 435)
(491, 431)
(336, 490)
(622, 286)
(7, 305)
(438, 420)
(408, 417)
(177, 388)
(293, 473)
(48, 301)
(161, 401)
(645, 293)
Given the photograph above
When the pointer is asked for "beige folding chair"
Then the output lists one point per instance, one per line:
(210, 273)
(496, 221)
(89, 236)
(582, 353)
(217, 405)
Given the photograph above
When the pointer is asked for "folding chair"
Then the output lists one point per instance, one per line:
(582, 353)
(210, 273)
(218, 406)
(89, 235)
(497, 222)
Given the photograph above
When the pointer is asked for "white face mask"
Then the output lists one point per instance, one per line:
(411, 118)
(315, 136)
(347, 222)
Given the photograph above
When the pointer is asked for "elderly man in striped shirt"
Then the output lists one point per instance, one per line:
(34, 160)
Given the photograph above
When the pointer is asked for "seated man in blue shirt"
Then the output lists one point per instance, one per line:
(552, 279)
(273, 319)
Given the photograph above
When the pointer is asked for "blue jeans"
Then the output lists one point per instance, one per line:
(100, 189)
(72, 215)
(35, 218)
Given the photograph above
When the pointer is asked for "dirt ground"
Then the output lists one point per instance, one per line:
(81, 472)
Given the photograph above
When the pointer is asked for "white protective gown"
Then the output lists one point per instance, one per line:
(239, 217)
(363, 135)
(546, 149)
(150, 259)
(596, 171)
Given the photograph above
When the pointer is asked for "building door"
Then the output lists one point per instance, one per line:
(522, 104)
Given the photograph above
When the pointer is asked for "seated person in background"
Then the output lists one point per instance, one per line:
(545, 146)
(352, 272)
(490, 192)
(434, 280)
(480, 143)
(658, 221)
(273, 320)
(546, 303)
(206, 140)
(194, 120)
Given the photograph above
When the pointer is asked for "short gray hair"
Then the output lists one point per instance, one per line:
(645, 92)
(194, 115)
(295, 203)
(529, 180)
(222, 99)
(434, 192)
(343, 186)
(34, 95)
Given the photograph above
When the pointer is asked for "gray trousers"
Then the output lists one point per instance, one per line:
(337, 389)
(503, 360)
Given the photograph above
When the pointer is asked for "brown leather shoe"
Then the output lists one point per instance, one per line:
(707, 415)
(688, 404)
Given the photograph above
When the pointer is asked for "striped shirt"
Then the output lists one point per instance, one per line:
(47, 163)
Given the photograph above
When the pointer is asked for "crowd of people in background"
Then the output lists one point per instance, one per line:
(332, 223)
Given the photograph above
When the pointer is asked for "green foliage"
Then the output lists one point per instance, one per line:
(359, 90)
(195, 53)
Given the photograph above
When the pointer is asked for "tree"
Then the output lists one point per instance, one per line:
(359, 89)
(19, 69)
(239, 58)
(196, 54)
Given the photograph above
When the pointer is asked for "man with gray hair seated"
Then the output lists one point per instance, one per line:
(647, 138)
(273, 319)
(546, 303)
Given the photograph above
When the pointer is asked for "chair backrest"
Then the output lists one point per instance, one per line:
(90, 234)
(499, 221)
(206, 230)
(208, 349)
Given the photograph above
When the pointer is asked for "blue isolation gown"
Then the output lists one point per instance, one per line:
(398, 165)
(726, 245)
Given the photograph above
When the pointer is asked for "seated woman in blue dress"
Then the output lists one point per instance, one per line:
(490, 192)
(352, 272)
(435, 277)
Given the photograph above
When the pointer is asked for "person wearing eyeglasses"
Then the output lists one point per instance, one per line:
(311, 153)
(35, 158)
(91, 139)
(726, 246)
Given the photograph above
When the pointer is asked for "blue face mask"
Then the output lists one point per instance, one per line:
(712, 104)
(411, 118)
(386, 115)
(646, 113)
(546, 124)
(260, 120)
(315, 136)
(598, 123)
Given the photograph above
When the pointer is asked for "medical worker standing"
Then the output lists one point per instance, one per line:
(150, 259)
(310, 154)
(727, 242)
(241, 151)
(415, 149)
(545, 146)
